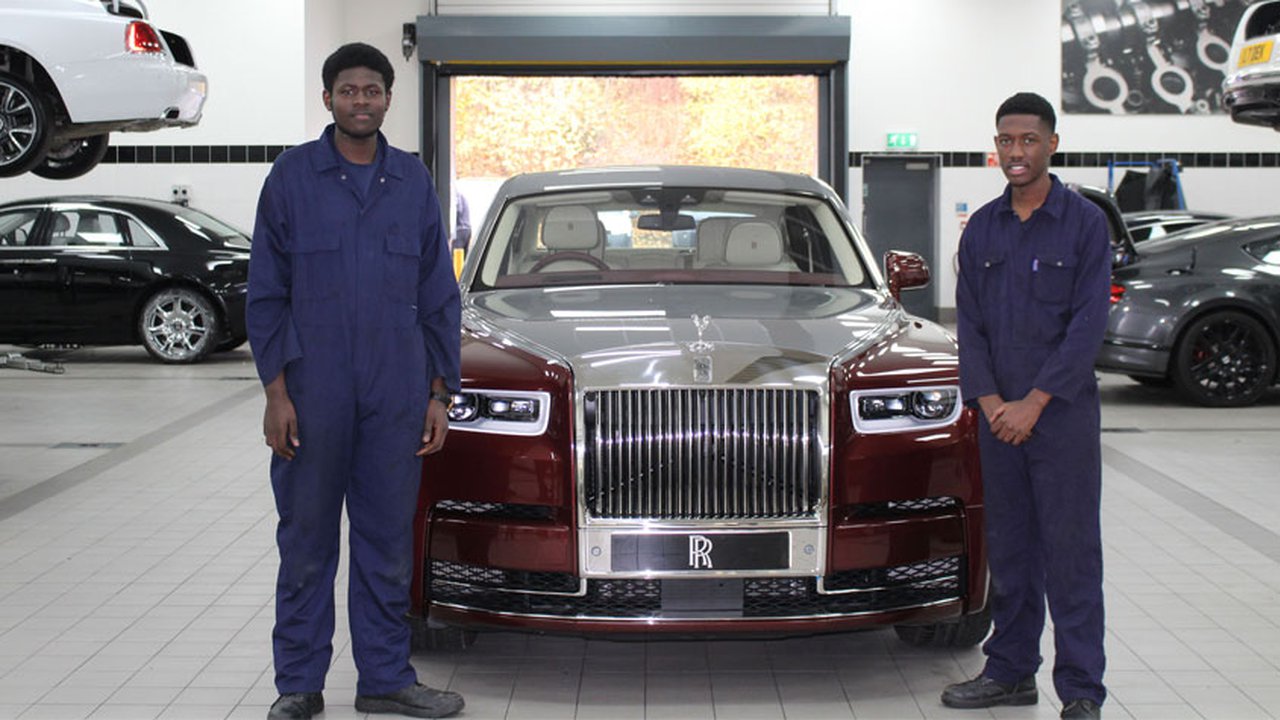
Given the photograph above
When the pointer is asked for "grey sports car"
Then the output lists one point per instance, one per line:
(1200, 310)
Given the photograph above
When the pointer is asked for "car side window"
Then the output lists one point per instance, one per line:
(139, 236)
(1268, 251)
(85, 227)
(16, 225)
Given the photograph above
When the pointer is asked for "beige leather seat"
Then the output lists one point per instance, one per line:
(756, 245)
(571, 228)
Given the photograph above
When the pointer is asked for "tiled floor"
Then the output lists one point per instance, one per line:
(137, 564)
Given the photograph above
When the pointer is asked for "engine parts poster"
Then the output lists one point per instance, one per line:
(1143, 57)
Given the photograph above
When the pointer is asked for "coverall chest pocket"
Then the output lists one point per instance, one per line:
(991, 270)
(1052, 278)
(317, 266)
(401, 262)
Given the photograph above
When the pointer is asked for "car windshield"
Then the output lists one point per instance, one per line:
(211, 229)
(670, 235)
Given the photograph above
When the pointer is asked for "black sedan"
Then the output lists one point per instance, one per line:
(1200, 309)
(121, 271)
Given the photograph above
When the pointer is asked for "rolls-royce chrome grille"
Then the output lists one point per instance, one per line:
(701, 453)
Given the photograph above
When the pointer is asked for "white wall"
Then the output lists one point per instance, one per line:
(936, 67)
(940, 68)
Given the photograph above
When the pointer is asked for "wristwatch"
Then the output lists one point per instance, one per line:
(442, 396)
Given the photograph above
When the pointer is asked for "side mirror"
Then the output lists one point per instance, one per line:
(905, 271)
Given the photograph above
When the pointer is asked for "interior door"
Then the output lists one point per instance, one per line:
(900, 212)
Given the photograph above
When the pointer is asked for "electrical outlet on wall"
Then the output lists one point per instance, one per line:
(182, 194)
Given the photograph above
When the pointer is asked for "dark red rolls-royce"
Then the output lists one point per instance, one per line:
(692, 405)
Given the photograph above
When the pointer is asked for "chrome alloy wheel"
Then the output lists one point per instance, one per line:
(1225, 360)
(21, 130)
(178, 326)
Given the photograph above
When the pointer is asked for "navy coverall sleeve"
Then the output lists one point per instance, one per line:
(977, 378)
(439, 307)
(268, 314)
(1069, 369)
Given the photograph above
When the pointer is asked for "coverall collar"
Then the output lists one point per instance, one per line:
(326, 157)
(1054, 203)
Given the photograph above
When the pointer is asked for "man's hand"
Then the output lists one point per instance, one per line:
(1015, 420)
(280, 421)
(434, 428)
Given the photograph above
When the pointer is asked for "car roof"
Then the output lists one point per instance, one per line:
(117, 201)
(1157, 215)
(663, 175)
(1219, 231)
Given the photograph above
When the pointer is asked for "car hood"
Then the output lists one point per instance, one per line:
(647, 335)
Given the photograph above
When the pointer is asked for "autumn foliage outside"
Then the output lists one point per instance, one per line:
(508, 125)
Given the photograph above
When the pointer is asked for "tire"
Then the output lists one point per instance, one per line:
(1224, 359)
(962, 633)
(230, 344)
(72, 158)
(25, 125)
(178, 325)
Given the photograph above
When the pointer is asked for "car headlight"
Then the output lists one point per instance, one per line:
(876, 411)
(505, 412)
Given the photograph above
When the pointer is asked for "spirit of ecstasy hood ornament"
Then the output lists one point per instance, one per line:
(702, 364)
(700, 345)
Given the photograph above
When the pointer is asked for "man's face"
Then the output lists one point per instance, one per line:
(1024, 145)
(359, 102)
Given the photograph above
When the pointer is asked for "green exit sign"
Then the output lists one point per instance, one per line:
(901, 140)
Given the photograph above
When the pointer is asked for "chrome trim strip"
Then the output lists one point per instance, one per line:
(581, 591)
(822, 589)
(648, 620)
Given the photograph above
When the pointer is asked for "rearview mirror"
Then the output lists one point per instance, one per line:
(666, 222)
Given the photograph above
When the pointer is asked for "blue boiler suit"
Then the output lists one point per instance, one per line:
(352, 296)
(1031, 304)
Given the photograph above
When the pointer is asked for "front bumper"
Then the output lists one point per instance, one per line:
(908, 566)
(1255, 102)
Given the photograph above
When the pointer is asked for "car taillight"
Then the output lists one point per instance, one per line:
(140, 37)
(1117, 293)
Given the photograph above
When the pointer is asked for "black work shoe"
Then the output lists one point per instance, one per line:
(983, 692)
(296, 706)
(1082, 709)
(417, 700)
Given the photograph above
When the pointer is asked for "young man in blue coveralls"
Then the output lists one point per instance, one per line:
(354, 319)
(1031, 305)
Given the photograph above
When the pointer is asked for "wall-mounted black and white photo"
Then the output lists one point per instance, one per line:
(1146, 56)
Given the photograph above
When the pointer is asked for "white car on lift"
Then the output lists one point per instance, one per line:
(74, 71)
(1251, 91)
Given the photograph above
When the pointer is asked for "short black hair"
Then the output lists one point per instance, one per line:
(353, 55)
(1029, 103)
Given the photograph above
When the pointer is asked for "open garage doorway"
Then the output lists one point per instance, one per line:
(503, 95)
(759, 121)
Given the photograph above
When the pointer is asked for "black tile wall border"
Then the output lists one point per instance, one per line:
(954, 159)
(237, 154)
(192, 154)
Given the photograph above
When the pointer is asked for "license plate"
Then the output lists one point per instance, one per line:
(701, 551)
(1255, 53)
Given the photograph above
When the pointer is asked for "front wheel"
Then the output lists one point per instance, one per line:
(962, 633)
(72, 158)
(25, 125)
(1224, 359)
(178, 325)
